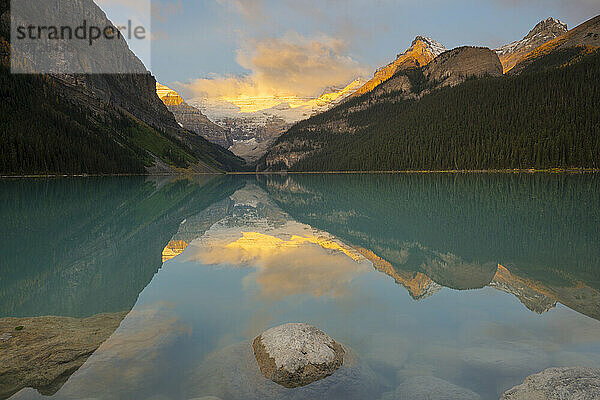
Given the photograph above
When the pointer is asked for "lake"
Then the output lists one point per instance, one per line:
(154, 288)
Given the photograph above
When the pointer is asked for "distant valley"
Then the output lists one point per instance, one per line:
(245, 126)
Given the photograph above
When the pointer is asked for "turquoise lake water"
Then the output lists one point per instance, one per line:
(468, 281)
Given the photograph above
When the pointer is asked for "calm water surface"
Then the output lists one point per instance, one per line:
(469, 280)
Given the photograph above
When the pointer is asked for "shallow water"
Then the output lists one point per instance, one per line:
(475, 280)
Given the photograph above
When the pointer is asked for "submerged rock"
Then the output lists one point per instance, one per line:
(232, 373)
(47, 350)
(558, 384)
(503, 361)
(295, 355)
(429, 388)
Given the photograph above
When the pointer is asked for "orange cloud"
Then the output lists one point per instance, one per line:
(283, 69)
(307, 264)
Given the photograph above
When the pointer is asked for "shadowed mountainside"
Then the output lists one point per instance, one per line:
(101, 123)
(460, 113)
(76, 254)
(530, 236)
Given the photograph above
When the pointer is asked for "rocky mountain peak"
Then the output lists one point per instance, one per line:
(454, 66)
(550, 25)
(435, 47)
(421, 52)
(167, 95)
(586, 35)
(542, 33)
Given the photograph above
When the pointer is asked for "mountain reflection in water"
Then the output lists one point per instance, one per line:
(80, 250)
(492, 267)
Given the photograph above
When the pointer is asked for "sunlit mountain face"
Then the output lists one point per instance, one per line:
(303, 106)
(256, 120)
(168, 96)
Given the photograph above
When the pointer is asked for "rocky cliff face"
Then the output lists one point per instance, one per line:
(253, 129)
(454, 66)
(586, 37)
(543, 32)
(421, 52)
(47, 350)
(191, 118)
(98, 69)
(102, 98)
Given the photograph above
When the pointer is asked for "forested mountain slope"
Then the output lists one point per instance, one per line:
(93, 123)
(545, 117)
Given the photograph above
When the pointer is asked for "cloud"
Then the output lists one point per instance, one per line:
(292, 65)
(300, 265)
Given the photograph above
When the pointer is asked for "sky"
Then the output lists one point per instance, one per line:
(221, 48)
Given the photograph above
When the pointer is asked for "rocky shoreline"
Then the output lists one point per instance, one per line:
(43, 352)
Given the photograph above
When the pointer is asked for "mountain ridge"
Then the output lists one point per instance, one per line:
(383, 131)
(420, 53)
(585, 36)
(546, 30)
(191, 118)
(93, 123)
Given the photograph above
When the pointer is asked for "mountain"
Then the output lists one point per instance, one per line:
(420, 53)
(528, 292)
(453, 67)
(448, 69)
(418, 285)
(460, 112)
(546, 30)
(98, 243)
(98, 123)
(254, 122)
(567, 48)
(462, 231)
(192, 119)
(251, 133)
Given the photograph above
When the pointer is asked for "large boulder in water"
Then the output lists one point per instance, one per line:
(294, 355)
(558, 384)
(232, 373)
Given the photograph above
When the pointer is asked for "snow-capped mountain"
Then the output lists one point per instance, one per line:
(420, 53)
(543, 32)
(253, 127)
(432, 45)
(191, 118)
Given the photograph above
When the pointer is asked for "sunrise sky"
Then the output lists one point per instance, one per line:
(225, 48)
